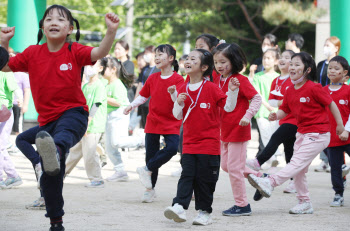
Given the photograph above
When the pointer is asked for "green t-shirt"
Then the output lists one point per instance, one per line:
(117, 91)
(96, 93)
(7, 86)
(262, 84)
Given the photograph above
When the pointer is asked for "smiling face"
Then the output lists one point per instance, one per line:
(162, 59)
(296, 68)
(336, 72)
(284, 61)
(56, 25)
(201, 44)
(222, 64)
(193, 63)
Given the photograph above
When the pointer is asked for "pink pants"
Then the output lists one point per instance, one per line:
(233, 157)
(5, 162)
(306, 148)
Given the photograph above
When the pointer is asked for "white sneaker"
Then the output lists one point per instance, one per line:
(37, 204)
(203, 218)
(38, 173)
(322, 167)
(253, 164)
(338, 201)
(290, 188)
(176, 213)
(145, 177)
(2, 185)
(149, 196)
(302, 207)
(262, 184)
(118, 176)
(345, 170)
(177, 173)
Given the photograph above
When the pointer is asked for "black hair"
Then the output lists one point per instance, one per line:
(341, 60)
(275, 51)
(299, 40)
(63, 11)
(123, 75)
(234, 53)
(150, 49)
(170, 50)
(139, 55)
(183, 58)
(209, 39)
(207, 59)
(125, 45)
(308, 62)
(4, 57)
(290, 52)
(272, 38)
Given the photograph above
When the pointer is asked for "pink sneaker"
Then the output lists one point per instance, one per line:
(253, 164)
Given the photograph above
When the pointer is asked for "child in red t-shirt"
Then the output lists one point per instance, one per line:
(54, 71)
(229, 60)
(286, 131)
(160, 120)
(198, 106)
(307, 102)
(337, 73)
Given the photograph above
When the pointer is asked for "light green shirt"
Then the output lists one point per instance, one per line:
(7, 86)
(117, 91)
(96, 93)
(262, 84)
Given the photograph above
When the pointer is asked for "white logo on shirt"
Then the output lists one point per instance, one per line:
(304, 100)
(205, 105)
(343, 102)
(89, 96)
(65, 67)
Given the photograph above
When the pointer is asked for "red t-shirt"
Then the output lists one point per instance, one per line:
(278, 89)
(160, 119)
(231, 131)
(308, 105)
(341, 98)
(201, 130)
(54, 77)
(215, 75)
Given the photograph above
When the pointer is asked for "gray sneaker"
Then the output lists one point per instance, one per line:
(338, 201)
(12, 182)
(149, 196)
(48, 151)
(38, 204)
(118, 176)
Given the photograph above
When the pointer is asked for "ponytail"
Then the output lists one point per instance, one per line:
(176, 65)
(40, 33)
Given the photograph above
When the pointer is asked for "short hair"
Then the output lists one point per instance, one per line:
(234, 53)
(341, 60)
(184, 57)
(299, 40)
(272, 38)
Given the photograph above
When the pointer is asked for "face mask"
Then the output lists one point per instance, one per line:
(327, 51)
(147, 58)
(264, 49)
(301, 79)
(89, 72)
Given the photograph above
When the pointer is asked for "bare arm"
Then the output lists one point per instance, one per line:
(26, 100)
(112, 22)
(138, 89)
(113, 102)
(336, 114)
(277, 115)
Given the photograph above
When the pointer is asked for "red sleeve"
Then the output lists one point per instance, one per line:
(146, 89)
(83, 54)
(285, 107)
(320, 96)
(19, 63)
(247, 88)
(273, 86)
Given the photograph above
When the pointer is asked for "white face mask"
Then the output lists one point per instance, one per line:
(327, 51)
(89, 72)
(147, 58)
(264, 48)
(301, 79)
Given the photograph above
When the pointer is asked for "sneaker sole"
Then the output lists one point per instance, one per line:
(310, 211)
(171, 215)
(255, 185)
(122, 179)
(100, 186)
(17, 183)
(198, 223)
(47, 150)
(237, 215)
(36, 208)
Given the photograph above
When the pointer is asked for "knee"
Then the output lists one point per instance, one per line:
(172, 148)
